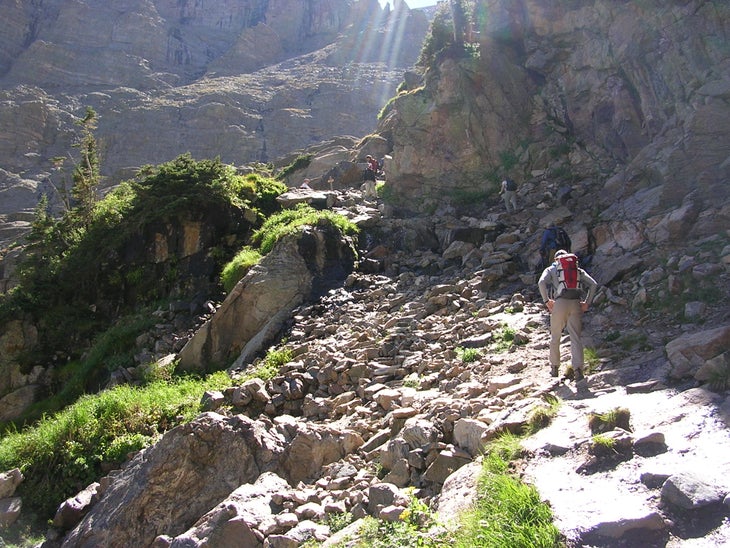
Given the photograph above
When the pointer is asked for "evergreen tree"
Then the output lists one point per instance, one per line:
(86, 176)
(458, 16)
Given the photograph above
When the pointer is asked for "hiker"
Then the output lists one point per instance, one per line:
(562, 285)
(509, 195)
(553, 238)
(369, 177)
(305, 185)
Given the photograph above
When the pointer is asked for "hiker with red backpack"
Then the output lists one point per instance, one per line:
(567, 291)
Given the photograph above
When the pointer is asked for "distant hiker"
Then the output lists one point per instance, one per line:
(369, 177)
(553, 238)
(371, 170)
(330, 182)
(509, 194)
(562, 285)
(305, 185)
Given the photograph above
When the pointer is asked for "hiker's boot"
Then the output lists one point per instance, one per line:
(579, 375)
(554, 370)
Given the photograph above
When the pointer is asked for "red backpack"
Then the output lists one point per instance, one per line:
(568, 274)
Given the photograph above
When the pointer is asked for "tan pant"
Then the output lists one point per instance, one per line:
(567, 313)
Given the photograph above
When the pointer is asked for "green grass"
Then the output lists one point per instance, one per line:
(542, 415)
(237, 268)
(416, 528)
(290, 221)
(507, 512)
(268, 368)
(601, 444)
(719, 378)
(111, 350)
(468, 355)
(605, 422)
(590, 358)
(504, 338)
(63, 453)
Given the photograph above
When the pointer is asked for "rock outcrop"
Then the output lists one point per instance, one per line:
(577, 93)
(297, 269)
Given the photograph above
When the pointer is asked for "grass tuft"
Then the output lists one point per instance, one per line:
(618, 417)
(507, 513)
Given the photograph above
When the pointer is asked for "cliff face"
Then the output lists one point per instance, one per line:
(633, 93)
(247, 80)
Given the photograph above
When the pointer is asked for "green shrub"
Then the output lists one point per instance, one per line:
(237, 268)
(70, 269)
(468, 355)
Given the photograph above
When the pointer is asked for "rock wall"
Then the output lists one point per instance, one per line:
(633, 93)
(248, 81)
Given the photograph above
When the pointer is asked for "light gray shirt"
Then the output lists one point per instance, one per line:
(549, 283)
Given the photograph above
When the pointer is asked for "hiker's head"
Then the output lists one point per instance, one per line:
(560, 253)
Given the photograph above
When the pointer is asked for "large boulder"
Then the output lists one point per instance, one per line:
(166, 488)
(688, 353)
(300, 266)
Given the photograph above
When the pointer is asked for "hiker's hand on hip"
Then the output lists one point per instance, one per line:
(550, 303)
(584, 306)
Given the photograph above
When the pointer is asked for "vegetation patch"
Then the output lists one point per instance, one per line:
(299, 163)
(290, 221)
(504, 338)
(542, 415)
(507, 512)
(111, 350)
(591, 359)
(602, 446)
(600, 423)
(91, 258)
(468, 355)
(719, 378)
(64, 453)
(416, 528)
(237, 268)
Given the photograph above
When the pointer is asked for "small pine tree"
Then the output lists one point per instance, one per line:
(86, 176)
(458, 17)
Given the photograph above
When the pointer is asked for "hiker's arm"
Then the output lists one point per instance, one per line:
(591, 285)
(542, 286)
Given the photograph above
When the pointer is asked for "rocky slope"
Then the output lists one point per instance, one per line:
(610, 117)
(378, 399)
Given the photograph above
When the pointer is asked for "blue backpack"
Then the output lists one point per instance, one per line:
(556, 238)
